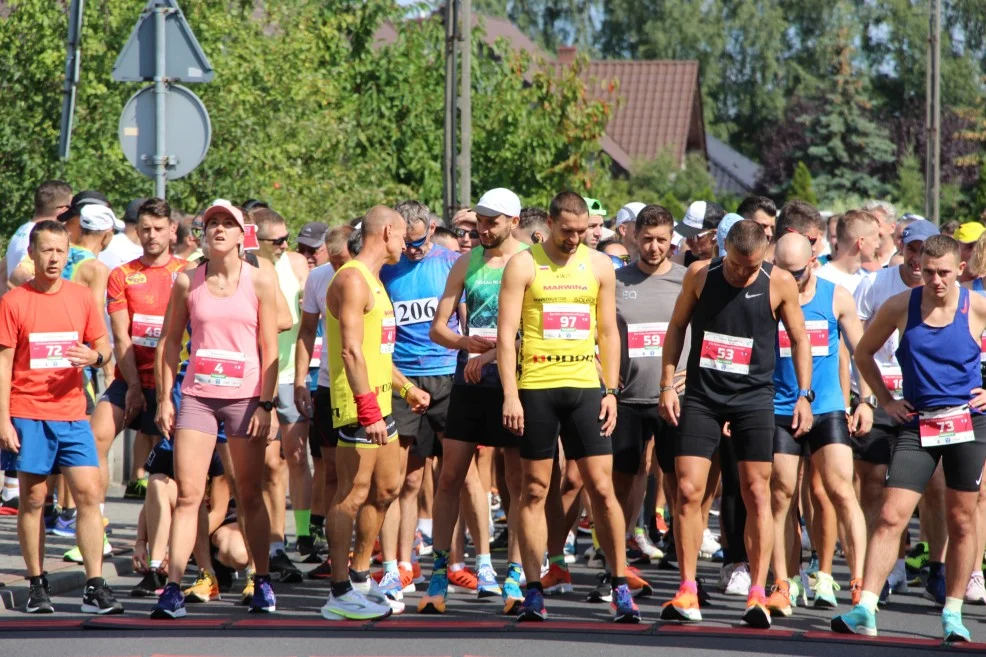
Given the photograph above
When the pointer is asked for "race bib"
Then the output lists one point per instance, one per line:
(415, 311)
(948, 426)
(646, 340)
(145, 330)
(818, 336)
(893, 379)
(48, 349)
(216, 367)
(482, 332)
(316, 353)
(726, 353)
(388, 335)
(565, 321)
(982, 348)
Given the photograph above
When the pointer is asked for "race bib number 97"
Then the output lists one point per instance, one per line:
(565, 321)
(48, 349)
(646, 340)
(415, 311)
(726, 353)
(818, 336)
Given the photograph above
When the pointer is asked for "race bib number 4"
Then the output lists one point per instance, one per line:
(726, 353)
(145, 330)
(948, 426)
(48, 349)
(565, 321)
(893, 379)
(216, 367)
(646, 340)
(388, 335)
(482, 332)
(415, 311)
(818, 336)
(316, 353)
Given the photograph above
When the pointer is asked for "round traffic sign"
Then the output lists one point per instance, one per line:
(187, 131)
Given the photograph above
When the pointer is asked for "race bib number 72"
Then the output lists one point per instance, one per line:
(48, 349)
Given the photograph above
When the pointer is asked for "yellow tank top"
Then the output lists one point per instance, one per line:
(558, 322)
(379, 335)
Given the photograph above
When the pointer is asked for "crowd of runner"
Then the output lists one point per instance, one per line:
(406, 388)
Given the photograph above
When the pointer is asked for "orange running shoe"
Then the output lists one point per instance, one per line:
(660, 523)
(757, 615)
(639, 587)
(780, 598)
(683, 607)
(463, 579)
(557, 580)
(855, 589)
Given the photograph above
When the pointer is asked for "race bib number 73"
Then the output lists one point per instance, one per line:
(948, 426)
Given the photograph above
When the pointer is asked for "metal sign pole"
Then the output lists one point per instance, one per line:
(160, 111)
(71, 77)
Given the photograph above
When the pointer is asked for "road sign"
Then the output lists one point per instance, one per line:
(184, 59)
(188, 131)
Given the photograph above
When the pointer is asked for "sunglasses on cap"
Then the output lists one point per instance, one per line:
(277, 241)
(416, 244)
(811, 240)
(462, 232)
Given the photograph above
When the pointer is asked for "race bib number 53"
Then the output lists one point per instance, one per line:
(948, 426)
(726, 353)
(217, 367)
(48, 349)
(565, 321)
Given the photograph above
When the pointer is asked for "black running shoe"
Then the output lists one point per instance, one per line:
(321, 571)
(499, 544)
(100, 600)
(285, 570)
(39, 598)
(150, 586)
(305, 545)
(604, 589)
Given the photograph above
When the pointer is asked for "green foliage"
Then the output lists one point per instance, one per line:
(802, 187)
(978, 195)
(909, 190)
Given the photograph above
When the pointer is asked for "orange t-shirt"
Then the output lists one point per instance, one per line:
(144, 293)
(40, 327)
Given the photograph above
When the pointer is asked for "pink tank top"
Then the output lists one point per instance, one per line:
(225, 357)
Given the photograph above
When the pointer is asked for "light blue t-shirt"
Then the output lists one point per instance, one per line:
(17, 246)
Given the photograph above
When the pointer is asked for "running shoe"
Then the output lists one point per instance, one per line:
(205, 588)
(513, 598)
(100, 600)
(263, 601)
(898, 580)
(434, 600)
(683, 607)
(757, 615)
(779, 601)
(65, 524)
(934, 590)
(917, 559)
(391, 585)
(953, 631)
(52, 515)
(739, 581)
(486, 585)
(859, 620)
(709, 545)
(624, 608)
(557, 581)
(499, 516)
(136, 490)
(660, 524)
(975, 591)
(532, 609)
(799, 592)
(353, 605)
(824, 588)
(10, 507)
(304, 545)
(570, 548)
(372, 592)
(246, 597)
(642, 543)
(423, 543)
(39, 598)
(604, 589)
(585, 526)
(594, 558)
(171, 604)
(464, 578)
(75, 554)
(638, 585)
(321, 571)
(150, 586)
(812, 568)
(501, 542)
(282, 566)
(855, 590)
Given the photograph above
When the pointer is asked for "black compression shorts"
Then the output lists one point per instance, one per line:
(826, 429)
(912, 465)
(700, 428)
(572, 413)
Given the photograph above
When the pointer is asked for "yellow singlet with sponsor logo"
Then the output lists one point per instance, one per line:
(558, 320)
(379, 334)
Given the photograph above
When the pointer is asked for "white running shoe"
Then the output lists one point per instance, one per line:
(975, 592)
(725, 573)
(739, 581)
(354, 606)
(371, 590)
(709, 545)
(898, 578)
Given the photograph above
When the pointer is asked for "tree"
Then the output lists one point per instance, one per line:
(909, 190)
(802, 187)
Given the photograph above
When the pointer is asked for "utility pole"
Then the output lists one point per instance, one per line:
(932, 162)
(465, 103)
(448, 161)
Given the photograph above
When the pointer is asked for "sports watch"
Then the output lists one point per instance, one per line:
(807, 394)
(266, 405)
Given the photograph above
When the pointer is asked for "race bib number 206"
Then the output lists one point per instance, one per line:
(415, 311)
(726, 353)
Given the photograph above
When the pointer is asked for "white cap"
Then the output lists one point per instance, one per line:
(97, 217)
(606, 234)
(628, 213)
(498, 201)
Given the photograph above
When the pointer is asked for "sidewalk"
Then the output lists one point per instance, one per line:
(65, 576)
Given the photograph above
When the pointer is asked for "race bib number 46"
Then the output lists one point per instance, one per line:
(726, 353)
(145, 330)
(818, 336)
(646, 340)
(48, 349)
(388, 335)
(948, 426)
(216, 367)
(565, 321)
(415, 311)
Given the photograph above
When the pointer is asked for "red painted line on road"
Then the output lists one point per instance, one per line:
(298, 623)
(408, 624)
(885, 640)
(567, 626)
(149, 624)
(39, 625)
(970, 646)
(673, 628)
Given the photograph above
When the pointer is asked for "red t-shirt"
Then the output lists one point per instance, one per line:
(144, 293)
(40, 327)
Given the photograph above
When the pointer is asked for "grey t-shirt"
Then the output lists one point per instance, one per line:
(644, 304)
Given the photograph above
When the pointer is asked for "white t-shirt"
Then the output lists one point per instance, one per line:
(17, 246)
(120, 251)
(833, 274)
(871, 293)
(313, 302)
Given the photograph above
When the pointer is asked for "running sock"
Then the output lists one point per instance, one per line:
(424, 526)
(11, 489)
(691, 586)
(953, 604)
(405, 565)
(757, 592)
(316, 520)
(102, 509)
(440, 566)
(36, 580)
(514, 571)
(390, 566)
(483, 560)
(302, 520)
(340, 589)
(868, 600)
(154, 564)
(456, 567)
(359, 576)
(639, 531)
(558, 560)
(619, 581)
(535, 586)
(936, 569)
(276, 546)
(595, 541)
(95, 582)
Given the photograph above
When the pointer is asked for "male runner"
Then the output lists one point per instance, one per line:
(762, 210)
(464, 224)
(732, 305)
(829, 312)
(699, 230)
(561, 294)
(858, 236)
(477, 396)
(887, 216)
(51, 198)
(532, 227)
(623, 225)
(940, 325)
(597, 215)
(43, 327)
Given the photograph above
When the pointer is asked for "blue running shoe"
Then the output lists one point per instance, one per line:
(171, 604)
(935, 589)
(263, 601)
(486, 586)
(434, 600)
(64, 526)
(532, 608)
(513, 597)
(391, 586)
(859, 620)
(624, 608)
(952, 628)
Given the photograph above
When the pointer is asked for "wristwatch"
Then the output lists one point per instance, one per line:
(266, 405)
(870, 400)
(612, 391)
(99, 359)
(807, 394)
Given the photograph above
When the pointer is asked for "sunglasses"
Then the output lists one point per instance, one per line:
(800, 273)
(625, 259)
(462, 232)
(811, 240)
(197, 230)
(277, 241)
(416, 244)
(303, 249)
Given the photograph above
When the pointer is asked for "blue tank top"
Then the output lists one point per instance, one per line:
(939, 365)
(414, 289)
(977, 286)
(820, 321)
(76, 255)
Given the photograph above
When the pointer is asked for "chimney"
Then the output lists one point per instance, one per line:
(566, 55)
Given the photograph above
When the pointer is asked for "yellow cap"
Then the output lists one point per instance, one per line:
(969, 232)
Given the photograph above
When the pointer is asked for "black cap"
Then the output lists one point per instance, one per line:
(86, 197)
(130, 216)
(312, 234)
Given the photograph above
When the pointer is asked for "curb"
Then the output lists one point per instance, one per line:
(14, 596)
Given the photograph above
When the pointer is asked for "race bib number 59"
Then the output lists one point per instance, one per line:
(565, 321)
(48, 349)
(646, 340)
(726, 353)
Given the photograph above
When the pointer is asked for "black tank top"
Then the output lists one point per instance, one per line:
(690, 258)
(731, 362)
